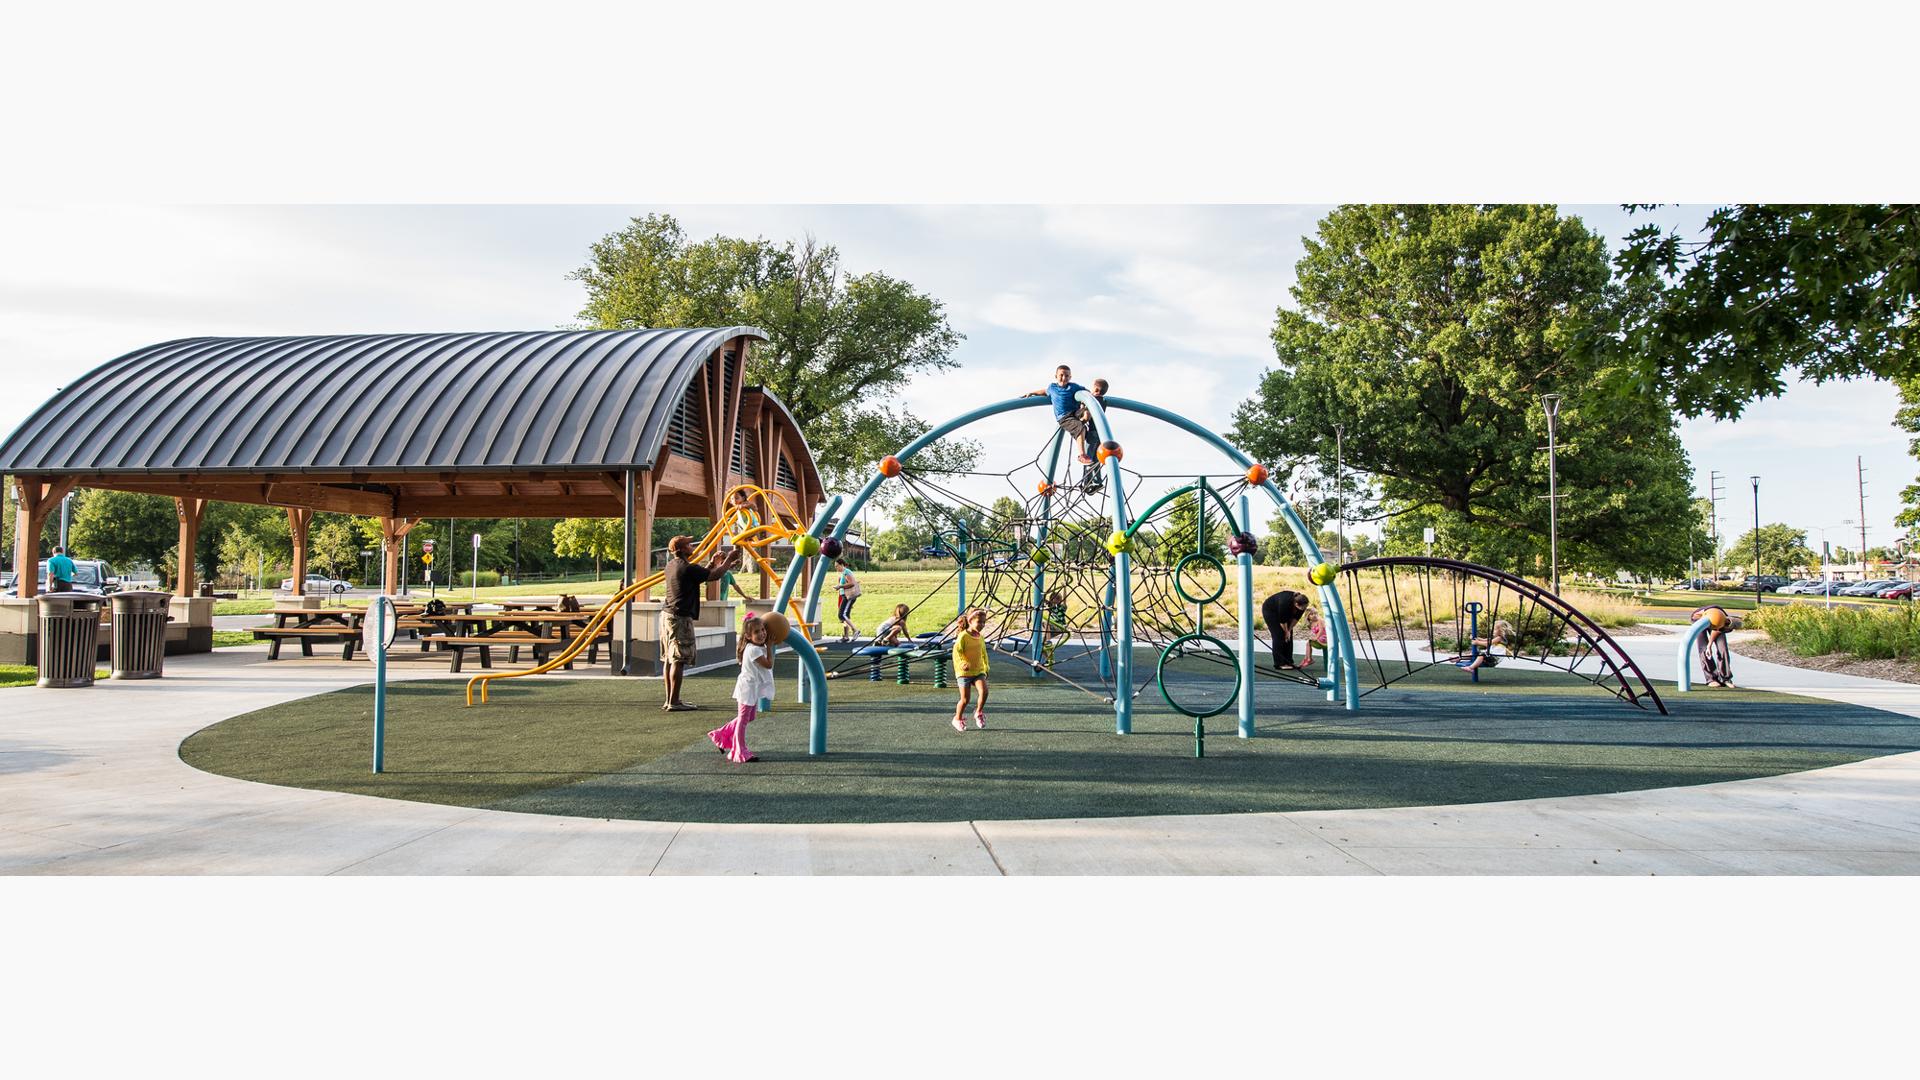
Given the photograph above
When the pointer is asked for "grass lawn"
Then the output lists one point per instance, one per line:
(242, 607)
(226, 639)
(602, 748)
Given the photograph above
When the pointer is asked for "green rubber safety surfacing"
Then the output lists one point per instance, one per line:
(602, 748)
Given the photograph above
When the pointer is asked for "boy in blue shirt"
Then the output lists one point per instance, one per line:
(1067, 412)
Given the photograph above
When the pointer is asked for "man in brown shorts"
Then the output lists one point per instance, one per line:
(681, 608)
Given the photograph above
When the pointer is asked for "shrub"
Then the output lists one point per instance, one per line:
(488, 578)
(1878, 633)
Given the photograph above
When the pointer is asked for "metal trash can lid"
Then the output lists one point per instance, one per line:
(66, 603)
(140, 600)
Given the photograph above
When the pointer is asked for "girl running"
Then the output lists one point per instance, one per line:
(970, 664)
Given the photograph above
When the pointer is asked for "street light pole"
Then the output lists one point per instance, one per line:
(1756, 543)
(1550, 404)
(1339, 483)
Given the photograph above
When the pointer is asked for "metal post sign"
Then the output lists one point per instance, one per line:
(377, 631)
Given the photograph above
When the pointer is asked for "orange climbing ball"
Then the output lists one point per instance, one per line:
(889, 466)
(1045, 488)
(1110, 449)
(1257, 474)
(778, 627)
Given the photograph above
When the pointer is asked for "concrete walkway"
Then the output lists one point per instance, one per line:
(91, 783)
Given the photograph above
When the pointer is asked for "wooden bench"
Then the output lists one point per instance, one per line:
(306, 635)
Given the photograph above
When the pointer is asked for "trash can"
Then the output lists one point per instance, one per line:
(69, 638)
(139, 634)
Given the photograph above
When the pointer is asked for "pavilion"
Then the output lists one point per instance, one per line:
(409, 427)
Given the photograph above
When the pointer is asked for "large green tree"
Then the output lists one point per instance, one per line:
(1783, 550)
(841, 347)
(1431, 333)
(590, 538)
(125, 528)
(1719, 319)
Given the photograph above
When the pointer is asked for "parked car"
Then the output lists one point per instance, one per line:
(1902, 591)
(1694, 583)
(1793, 588)
(1866, 588)
(1763, 583)
(318, 583)
(92, 576)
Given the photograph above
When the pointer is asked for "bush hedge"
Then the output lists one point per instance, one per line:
(488, 579)
(1879, 633)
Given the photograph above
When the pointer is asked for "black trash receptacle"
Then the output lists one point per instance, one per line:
(69, 639)
(139, 634)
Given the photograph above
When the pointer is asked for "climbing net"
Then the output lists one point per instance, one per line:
(1043, 569)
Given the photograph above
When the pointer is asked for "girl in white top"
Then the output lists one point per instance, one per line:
(754, 685)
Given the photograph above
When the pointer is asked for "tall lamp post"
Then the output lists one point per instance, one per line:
(1758, 587)
(1550, 404)
(1340, 485)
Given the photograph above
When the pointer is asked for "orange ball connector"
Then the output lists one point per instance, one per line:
(1111, 449)
(1256, 474)
(889, 466)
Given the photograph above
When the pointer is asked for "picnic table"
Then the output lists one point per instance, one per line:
(306, 625)
(542, 632)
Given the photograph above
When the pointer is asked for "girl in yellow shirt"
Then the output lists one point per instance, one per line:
(970, 664)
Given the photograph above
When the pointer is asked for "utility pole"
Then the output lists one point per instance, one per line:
(1340, 484)
(1550, 404)
(1714, 488)
(1860, 479)
(1757, 590)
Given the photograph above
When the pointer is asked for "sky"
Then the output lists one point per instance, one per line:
(1171, 303)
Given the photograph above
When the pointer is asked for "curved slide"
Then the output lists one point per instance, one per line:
(753, 536)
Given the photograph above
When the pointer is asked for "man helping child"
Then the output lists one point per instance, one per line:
(1073, 417)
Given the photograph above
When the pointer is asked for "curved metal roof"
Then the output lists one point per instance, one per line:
(558, 399)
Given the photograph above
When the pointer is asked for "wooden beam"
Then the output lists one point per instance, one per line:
(189, 510)
(391, 530)
(584, 504)
(299, 519)
(647, 494)
(35, 499)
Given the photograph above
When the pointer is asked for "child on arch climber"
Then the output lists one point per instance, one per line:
(1073, 417)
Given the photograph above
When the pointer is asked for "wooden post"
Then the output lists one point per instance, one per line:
(391, 531)
(298, 520)
(34, 499)
(649, 497)
(189, 509)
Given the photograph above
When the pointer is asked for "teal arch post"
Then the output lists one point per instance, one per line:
(804, 686)
(1122, 576)
(812, 671)
(1246, 624)
(1683, 682)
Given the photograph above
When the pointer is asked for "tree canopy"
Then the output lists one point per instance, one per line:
(1783, 550)
(1713, 322)
(841, 347)
(1431, 333)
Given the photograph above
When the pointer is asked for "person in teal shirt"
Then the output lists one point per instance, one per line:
(59, 571)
